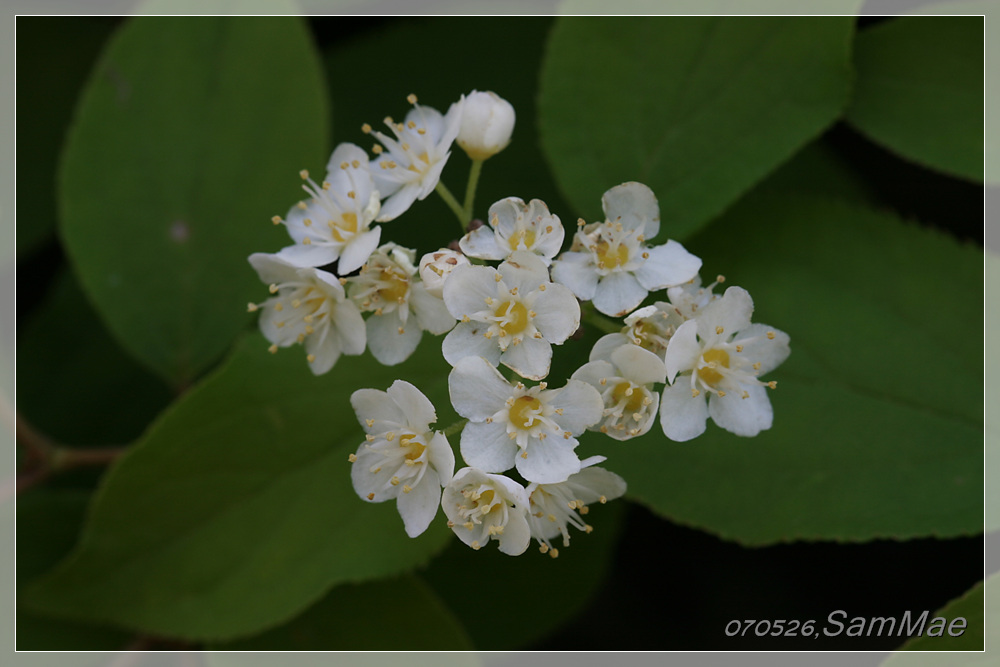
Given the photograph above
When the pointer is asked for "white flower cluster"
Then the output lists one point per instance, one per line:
(502, 323)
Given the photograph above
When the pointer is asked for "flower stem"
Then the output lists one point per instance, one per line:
(470, 189)
(453, 204)
(598, 321)
(455, 428)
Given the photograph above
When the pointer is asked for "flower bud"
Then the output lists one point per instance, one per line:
(435, 267)
(487, 123)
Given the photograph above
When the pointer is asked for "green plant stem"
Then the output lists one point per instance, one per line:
(470, 189)
(453, 204)
(598, 321)
(455, 428)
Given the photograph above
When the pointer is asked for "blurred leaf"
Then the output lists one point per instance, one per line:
(819, 169)
(976, 606)
(919, 91)
(236, 511)
(49, 521)
(876, 433)
(54, 54)
(562, 586)
(189, 137)
(454, 58)
(401, 614)
(697, 108)
(75, 384)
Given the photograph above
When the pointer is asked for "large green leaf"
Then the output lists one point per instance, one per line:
(236, 511)
(919, 90)
(698, 108)
(189, 137)
(54, 54)
(74, 380)
(49, 521)
(877, 415)
(401, 614)
(564, 584)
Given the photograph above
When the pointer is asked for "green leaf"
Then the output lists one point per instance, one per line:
(919, 91)
(54, 54)
(236, 511)
(877, 425)
(976, 606)
(189, 137)
(401, 614)
(75, 381)
(697, 108)
(50, 521)
(563, 586)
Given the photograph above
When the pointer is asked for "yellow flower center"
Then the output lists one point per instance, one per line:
(348, 224)
(610, 258)
(708, 373)
(522, 413)
(525, 235)
(633, 401)
(398, 288)
(517, 317)
(416, 448)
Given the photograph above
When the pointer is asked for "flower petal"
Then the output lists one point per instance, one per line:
(467, 288)
(399, 202)
(731, 312)
(757, 347)
(639, 365)
(309, 255)
(325, 351)
(742, 416)
(634, 205)
(487, 447)
(525, 271)
(590, 484)
(442, 457)
(432, 314)
(618, 294)
(530, 358)
(682, 415)
(467, 340)
(581, 406)
(358, 251)
(667, 265)
(593, 372)
(387, 344)
(558, 313)
(605, 345)
(366, 481)
(516, 535)
(420, 505)
(549, 461)
(482, 243)
(577, 271)
(477, 389)
(348, 327)
(375, 405)
(418, 408)
(683, 350)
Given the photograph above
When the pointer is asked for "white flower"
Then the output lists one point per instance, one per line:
(487, 123)
(513, 425)
(403, 309)
(412, 167)
(687, 299)
(513, 226)
(719, 355)
(510, 315)
(435, 267)
(481, 507)
(625, 379)
(401, 457)
(309, 307)
(334, 223)
(609, 262)
(553, 507)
